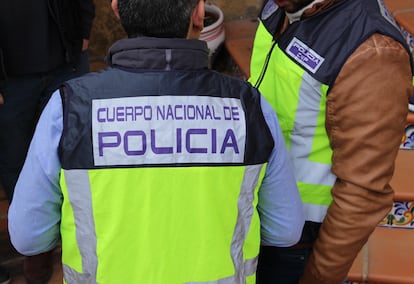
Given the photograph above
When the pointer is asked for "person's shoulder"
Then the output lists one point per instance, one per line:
(269, 8)
(378, 40)
(270, 16)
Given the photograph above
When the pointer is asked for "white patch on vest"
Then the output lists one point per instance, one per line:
(269, 9)
(167, 130)
(304, 55)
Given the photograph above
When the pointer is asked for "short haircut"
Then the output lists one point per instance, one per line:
(156, 18)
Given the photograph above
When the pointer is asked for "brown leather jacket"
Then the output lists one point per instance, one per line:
(365, 119)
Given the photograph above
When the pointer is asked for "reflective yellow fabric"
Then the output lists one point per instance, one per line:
(280, 70)
(166, 225)
(321, 151)
(290, 91)
(315, 194)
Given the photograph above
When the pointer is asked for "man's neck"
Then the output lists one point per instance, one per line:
(293, 17)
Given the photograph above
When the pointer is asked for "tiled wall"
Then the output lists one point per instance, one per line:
(400, 216)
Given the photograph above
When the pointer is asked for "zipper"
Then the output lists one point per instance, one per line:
(266, 64)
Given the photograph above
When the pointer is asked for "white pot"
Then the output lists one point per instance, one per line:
(213, 33)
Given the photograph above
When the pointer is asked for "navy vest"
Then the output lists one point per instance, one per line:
(76, 146)
(323, 42)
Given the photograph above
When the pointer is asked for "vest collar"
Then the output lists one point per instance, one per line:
(158, 54)
(293, 17)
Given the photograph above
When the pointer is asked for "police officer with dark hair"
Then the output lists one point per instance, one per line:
(157, 169)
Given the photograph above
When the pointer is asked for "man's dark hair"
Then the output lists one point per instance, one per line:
(156, 18)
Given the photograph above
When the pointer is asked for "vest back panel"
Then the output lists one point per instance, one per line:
(162, 118)
(160, 178)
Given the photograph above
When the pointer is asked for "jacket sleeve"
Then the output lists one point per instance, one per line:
(87, 15)
(366, 114)
(34, 214)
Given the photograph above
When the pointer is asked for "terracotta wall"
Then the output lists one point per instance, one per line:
(236, 9)
(107, 29)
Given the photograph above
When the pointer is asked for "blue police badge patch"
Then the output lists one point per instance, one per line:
(304, 55)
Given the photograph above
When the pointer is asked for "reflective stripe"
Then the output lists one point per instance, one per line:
(245, 204)
(81, 201)
(314, 212)
(250, 267)
(73, 277)
(301, 144)
(247, 268)
(316, 175)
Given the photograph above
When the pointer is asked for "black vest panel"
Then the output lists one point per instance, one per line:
(76, 146)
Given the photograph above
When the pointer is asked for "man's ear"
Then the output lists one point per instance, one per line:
(114, 5)
(197, 20)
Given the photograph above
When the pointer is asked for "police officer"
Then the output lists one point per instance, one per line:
(325, 67)
(157, 170)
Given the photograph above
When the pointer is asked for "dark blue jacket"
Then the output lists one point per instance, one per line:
(38, 36)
